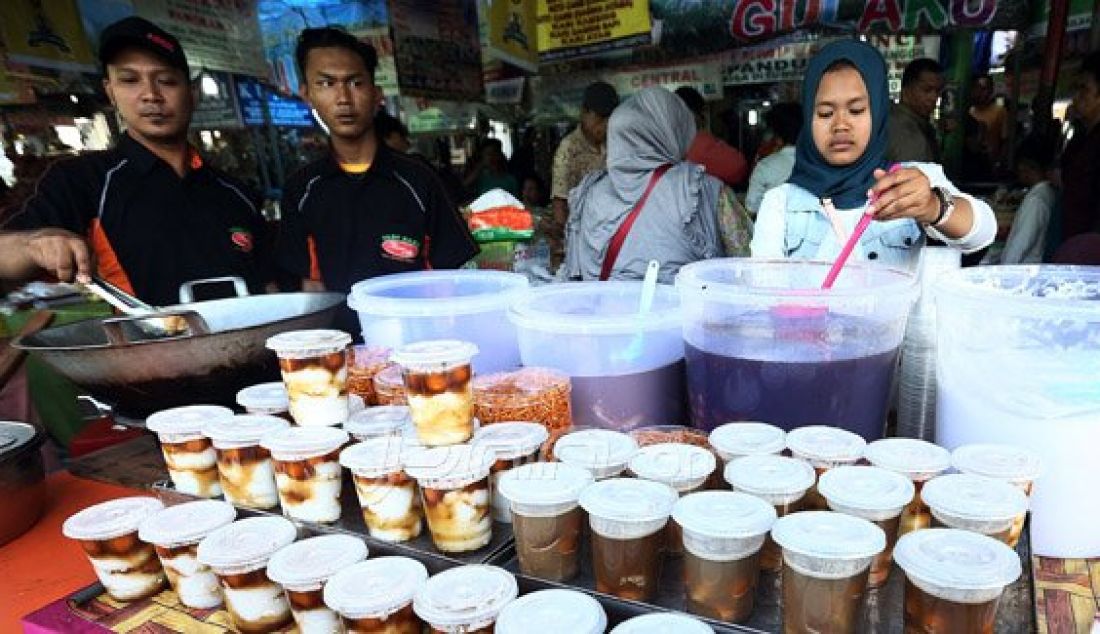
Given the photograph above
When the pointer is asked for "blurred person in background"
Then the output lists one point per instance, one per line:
(785, 122)
(721, 160)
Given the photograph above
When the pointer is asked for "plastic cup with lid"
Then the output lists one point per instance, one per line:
(604, 452)
(1016, 465)
(918, 460)
(974, 503)
(307, 470)
(303, 568)
(245, 470)
(546, 519)
(826, 560)
(553, 612)
(188, 455)
(376, 595)
(628, 517)
(454, 487)
(387, 495)
(515, 444)
(723, 533)
(737, 440)
(685, 468)
(780, 481)
(466, 598)
(381, 421)
(108, 532)
(824, 447)
(314, 365)
(954, 579)
(874, 494)
(662, 623)
(175, 533)
(265, 398)
(238, 554)
(437, 384)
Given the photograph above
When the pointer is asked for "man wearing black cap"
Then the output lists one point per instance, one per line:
(582, 151)
(154, 215)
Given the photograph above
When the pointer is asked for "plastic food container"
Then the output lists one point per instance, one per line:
(779, 481)
(127, 567)
(377, 595)
(454, 487)
(539, 395)
(175, 533)
(314, 364)
(661, 623)
(737, 440)
(388, 496)
(626, 368)
(1015, 465)
(685, 468)
(603, 452)
(245, 469)
(389, 386)
(974, 503)
(513, 444)
(270, 399)
(437, 383)
(307, 471)
(824, 447)
(917, 460)
(189, 456)
(364, 362)
(395, 310)
(303, 568)
(553, 612)
(383, 421)
(465, 599)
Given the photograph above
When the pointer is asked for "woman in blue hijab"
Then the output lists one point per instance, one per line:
(840, 166)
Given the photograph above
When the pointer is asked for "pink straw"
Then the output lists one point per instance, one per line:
(857, 233)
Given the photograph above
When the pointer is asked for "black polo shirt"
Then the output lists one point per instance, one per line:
(151, 230)
(341, 228)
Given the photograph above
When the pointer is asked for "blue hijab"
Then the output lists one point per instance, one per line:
(847, 186)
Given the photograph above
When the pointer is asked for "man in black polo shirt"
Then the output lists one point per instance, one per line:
(363, 210)
(154, 215)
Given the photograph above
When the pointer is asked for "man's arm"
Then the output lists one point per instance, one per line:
(58, 252)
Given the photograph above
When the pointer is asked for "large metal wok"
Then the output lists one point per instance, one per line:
(116, 362)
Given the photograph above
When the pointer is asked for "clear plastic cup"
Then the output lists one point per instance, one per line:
(876, 495)
(307, 471)
(974, 503)
(378, 422)
(376, 596)
(389, 386)
(364, 362)
(303, 568)
(723, 532)
(954, 580)
(238, 554)
(269, 399)
(737, 440)
(466, 599)
(604, 452)
(514, 444)
(437, 382)
(1016, 465)
(454, 487)
(314, 364)
(824, 448)
(779, 481)
(918, 460)
(685, 468)
(245, 470)
(662, 623)
(387, 495)
(546, 518)
(553, 612)
(188, 455)
(826, 560)
(175, 533)
(628, 517)
(127, 567)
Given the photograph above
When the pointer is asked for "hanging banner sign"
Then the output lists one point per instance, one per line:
(46, 34)
(252, 97)
(215, 34)
(437, 49)
(216, 110)
(569, 29)
(505, 91)
(513, 37)
(706, 78)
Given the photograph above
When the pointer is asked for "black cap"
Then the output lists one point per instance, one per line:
(600, 97)
(139, 32)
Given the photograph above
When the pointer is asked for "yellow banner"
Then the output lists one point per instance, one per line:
(46, 33)
(568, 28)
(512, 33)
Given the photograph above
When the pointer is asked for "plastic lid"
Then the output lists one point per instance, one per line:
(629, 500)
(435, 293)
(382, 420)
(17, 438)
(375, 457)
(663, 623)
(389, 378)
(724, 514)
(310, 562)
(303, 442)
(599, 450)
(511, 440)
(364, 356)
(525, 382)
(683, 467)
(308, 343)
(436, 353)
(449, 467)
(186, 523)
(266, 396)
(770, 475)
(819, 443)
(111, 519)
(747, 439)
(595, 308)
(828, 535)
(918, 459)
(956, 561)
(974, 497)
(375, 588)
(866, 491)
(243, 428)
(544, 483)
(465, 596)
(246, 543)
(1003, 462)
(552, 612)
(186, 420)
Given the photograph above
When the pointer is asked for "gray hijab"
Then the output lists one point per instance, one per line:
(648, 130)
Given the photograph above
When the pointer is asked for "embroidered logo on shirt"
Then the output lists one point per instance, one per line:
(241, 238)
(400, 248)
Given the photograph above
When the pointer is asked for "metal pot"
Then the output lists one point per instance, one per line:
(22, 479)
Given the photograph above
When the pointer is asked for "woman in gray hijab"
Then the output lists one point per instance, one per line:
(687, 215)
